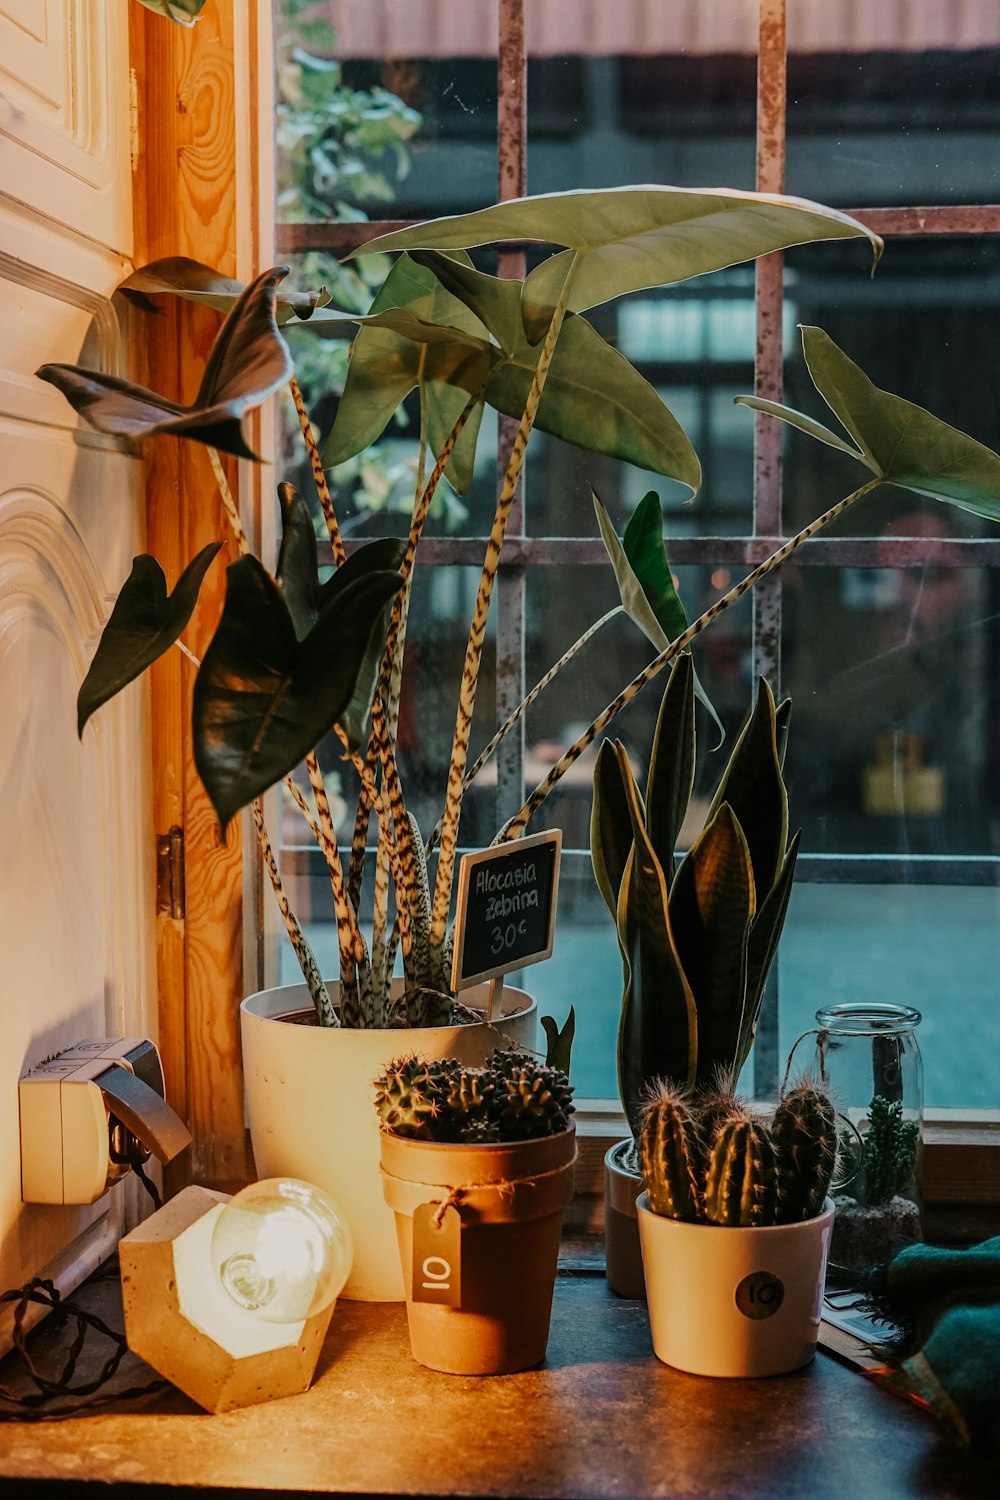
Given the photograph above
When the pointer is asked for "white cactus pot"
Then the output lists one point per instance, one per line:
(730, 1301)
(311, 1106)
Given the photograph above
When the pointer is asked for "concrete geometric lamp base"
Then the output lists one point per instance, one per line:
(180, 1320)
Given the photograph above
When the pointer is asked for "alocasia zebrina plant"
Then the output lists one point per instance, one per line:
(462, 340)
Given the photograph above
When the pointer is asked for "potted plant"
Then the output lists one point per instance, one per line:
(292, 659)
(735, 1225)
(898, 443)
(697, 936)
(477, 1166)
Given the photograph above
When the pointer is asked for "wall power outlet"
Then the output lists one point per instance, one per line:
(88, 1114)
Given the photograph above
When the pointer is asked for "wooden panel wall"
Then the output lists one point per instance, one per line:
(186, 205)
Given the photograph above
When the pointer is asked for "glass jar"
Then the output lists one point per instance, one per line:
(869, 1055)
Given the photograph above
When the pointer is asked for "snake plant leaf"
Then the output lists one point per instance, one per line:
(900, 442)
(386, 366)
(754, 788)
(184, 12)
(262, 698)
(658, 1030)
(782, 721)
(144, 623)
(671, 763)
(712, 903)
(610, 824)
(383, 555)
(629, 238)
(593, 397)
(297, 573)
(559, 1041)
(248, 361)
(192, 279)
(762, 945)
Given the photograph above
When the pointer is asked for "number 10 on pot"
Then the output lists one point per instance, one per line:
(506, 913)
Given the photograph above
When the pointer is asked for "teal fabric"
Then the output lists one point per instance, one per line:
(947, 1305)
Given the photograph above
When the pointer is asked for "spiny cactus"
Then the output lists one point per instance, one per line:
(671, 1153)
(513, 1098)
(804, 1131)
(889, 1155)
(741, 1174)
(708, 1158)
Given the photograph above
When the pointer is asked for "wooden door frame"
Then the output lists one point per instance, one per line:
(202, 188)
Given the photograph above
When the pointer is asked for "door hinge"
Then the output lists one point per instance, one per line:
(170, 873)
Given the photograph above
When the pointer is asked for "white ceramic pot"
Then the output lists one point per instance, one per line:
(729, 1301)
(311, 1107)
(623, 1257)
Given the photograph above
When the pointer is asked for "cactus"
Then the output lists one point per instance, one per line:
(804, 1131)
(889, 1157)
(671, 1154)
(741, 1176)
(513, 1098)
(708, 1158)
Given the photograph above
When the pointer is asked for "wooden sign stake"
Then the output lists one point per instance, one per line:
(495, 1003)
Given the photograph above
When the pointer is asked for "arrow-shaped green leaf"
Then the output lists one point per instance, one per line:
(182, 277)
(898, 441)
(264, 699)
(631, 237)
(145, 622)
(247, 363)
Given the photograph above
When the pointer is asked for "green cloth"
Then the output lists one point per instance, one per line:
(946, 1304)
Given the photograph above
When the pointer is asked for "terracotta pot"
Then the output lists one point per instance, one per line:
(731, 1301)
(511, 1199)
(311, 1105)
(623, 1255)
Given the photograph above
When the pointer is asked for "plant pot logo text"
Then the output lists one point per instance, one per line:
(759, 1295)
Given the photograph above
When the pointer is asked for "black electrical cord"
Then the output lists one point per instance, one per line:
(39, 1290)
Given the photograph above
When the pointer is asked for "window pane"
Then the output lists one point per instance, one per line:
(897, 106)
(935, 947)
(894, 730)
(918, 328)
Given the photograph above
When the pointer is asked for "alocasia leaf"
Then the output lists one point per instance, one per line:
(184, 12)
(896, 440)
(145, 622)
(629, 238)
(248, 362)
(191, 279)
(263, 699)
(297, 573)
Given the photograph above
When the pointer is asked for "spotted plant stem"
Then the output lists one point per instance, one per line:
(355, 974)
(318, 992)
(517, 824)
(490, 750)
(318, 473)
(386, 824)
(477, 629)
(390, 674)
(228, 503)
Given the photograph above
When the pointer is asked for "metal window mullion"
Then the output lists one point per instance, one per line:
(768, 382)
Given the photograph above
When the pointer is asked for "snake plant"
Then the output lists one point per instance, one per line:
(697, 936)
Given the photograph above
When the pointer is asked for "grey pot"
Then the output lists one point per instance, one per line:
(621, 1225)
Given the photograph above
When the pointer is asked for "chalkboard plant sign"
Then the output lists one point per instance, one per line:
(477, 1167)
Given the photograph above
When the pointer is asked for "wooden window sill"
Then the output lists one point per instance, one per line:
(600, 1418)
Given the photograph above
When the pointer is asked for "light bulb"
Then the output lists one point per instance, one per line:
(282, 1249)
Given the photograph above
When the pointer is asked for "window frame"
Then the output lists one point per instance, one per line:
(962, 1155)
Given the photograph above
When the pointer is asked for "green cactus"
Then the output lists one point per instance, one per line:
(889, 1155)
(708, 1158)
(671, 1153)
(804, 1131)
(741, 1178)
(513, 1098)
